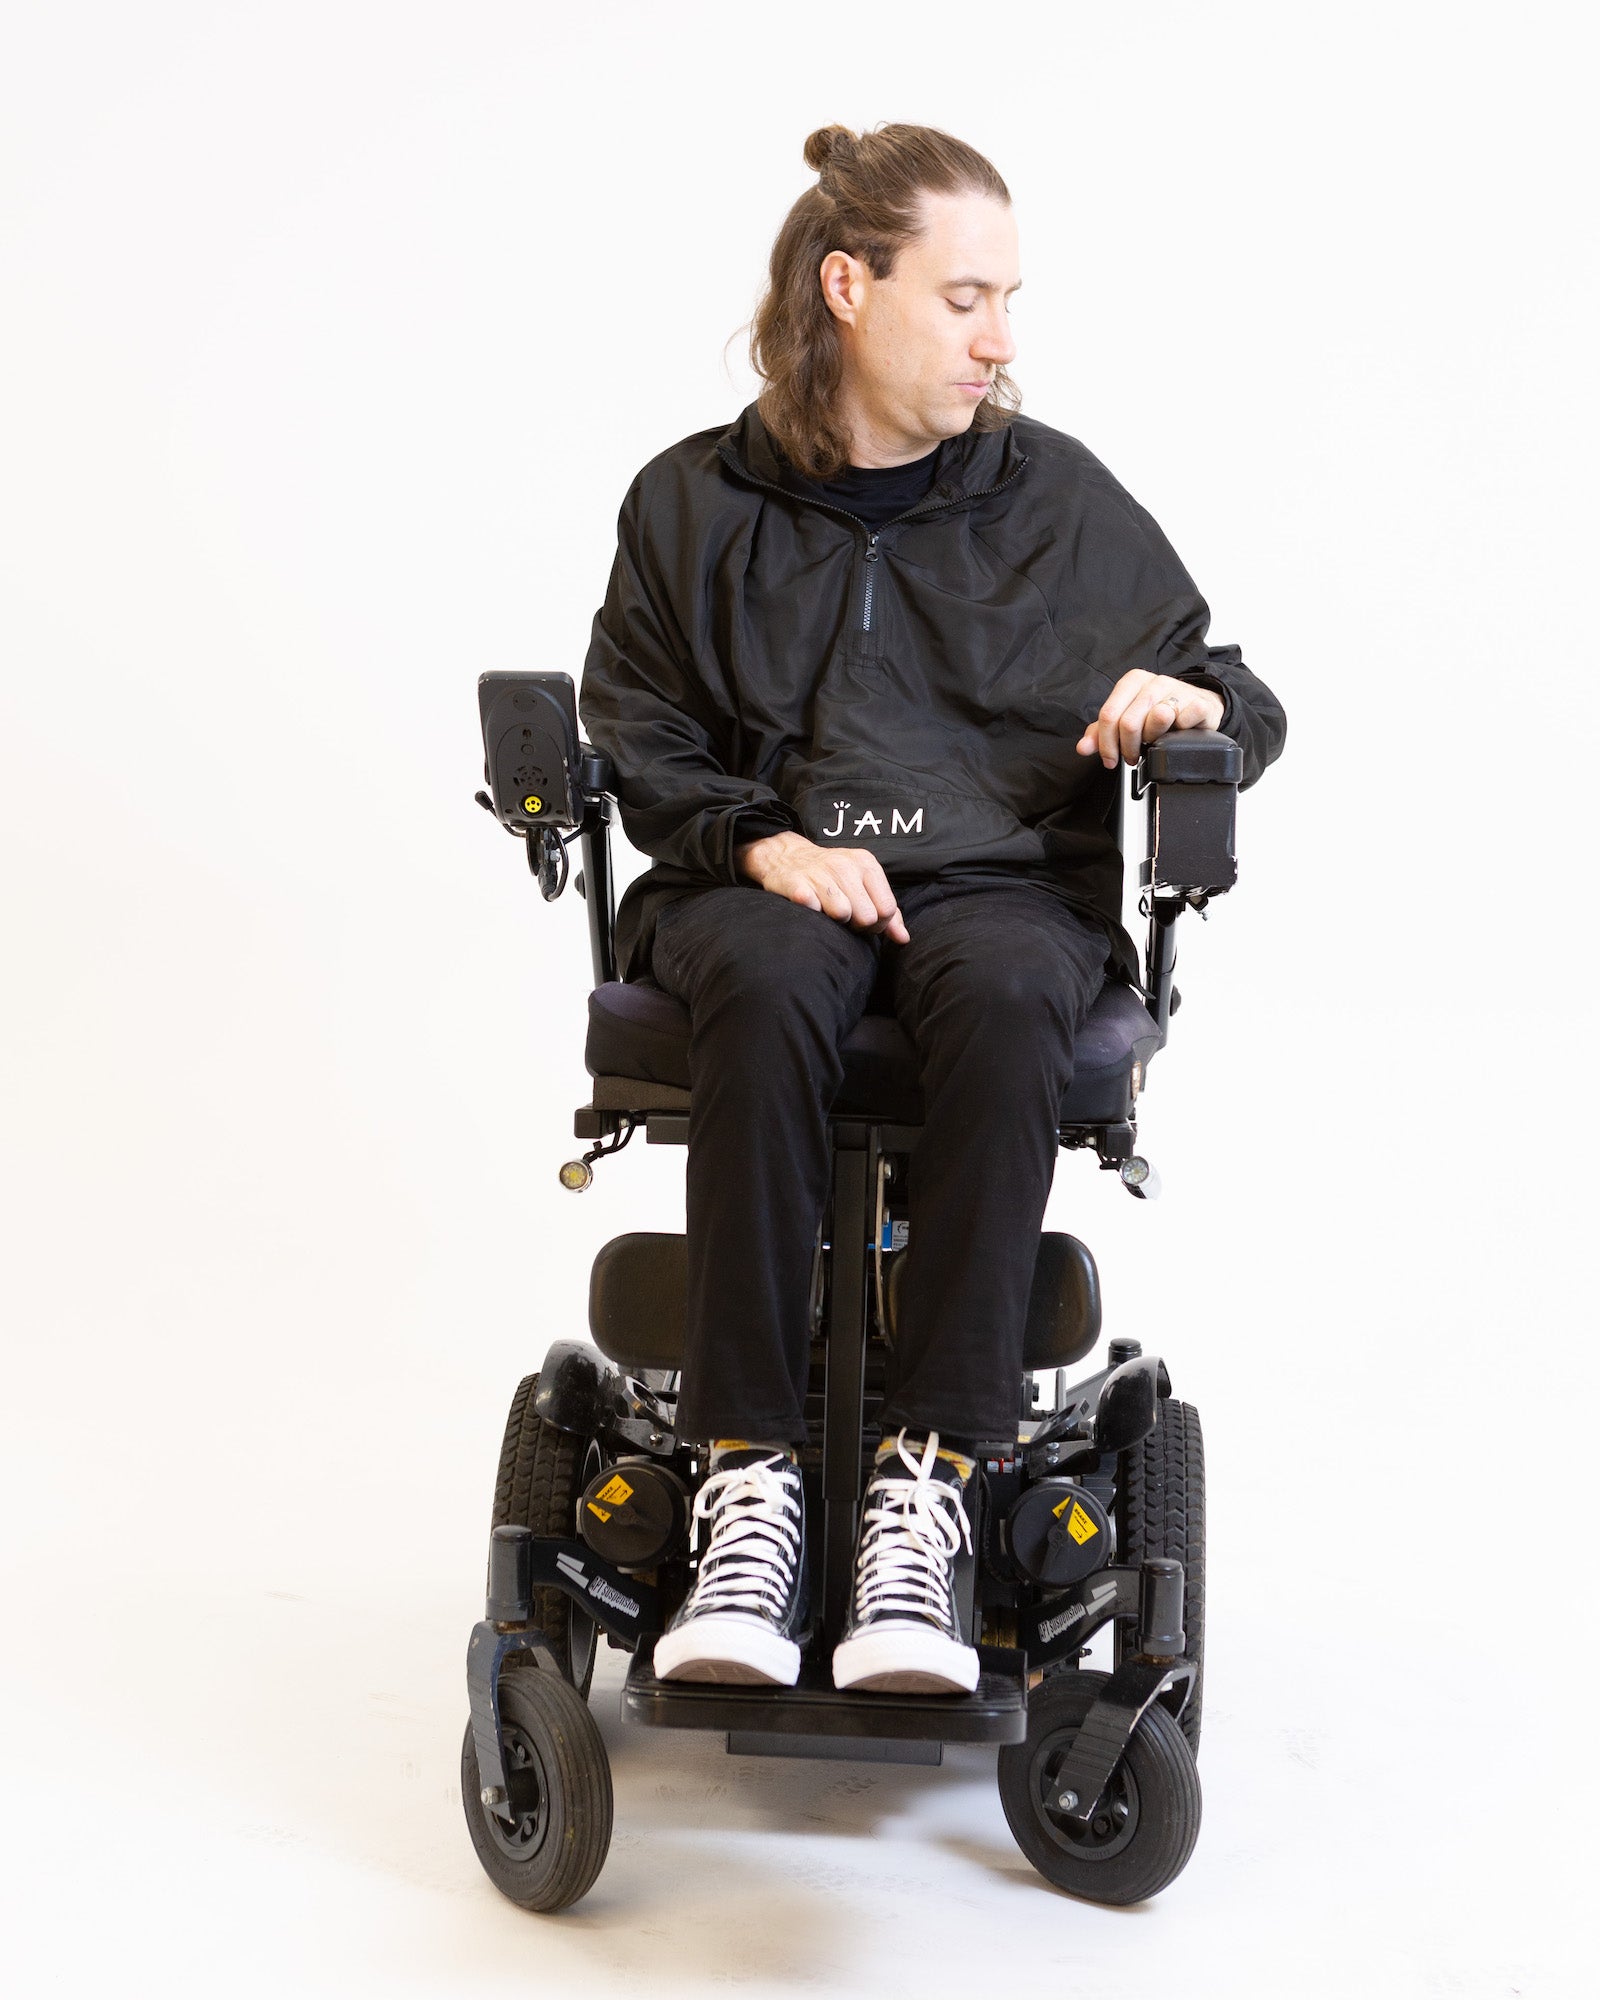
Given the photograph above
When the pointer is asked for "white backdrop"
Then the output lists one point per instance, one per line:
(331, 337)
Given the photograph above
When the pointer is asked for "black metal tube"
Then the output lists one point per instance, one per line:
(510, 1577)
(1161, 1633)
(853, 1176)
(1160, 957)
(598, 893)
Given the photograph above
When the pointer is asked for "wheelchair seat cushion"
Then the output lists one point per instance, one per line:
(637, 1030)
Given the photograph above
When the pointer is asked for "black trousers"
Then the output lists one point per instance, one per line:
(992, 988)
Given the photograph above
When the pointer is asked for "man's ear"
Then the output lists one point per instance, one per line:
(844, 284)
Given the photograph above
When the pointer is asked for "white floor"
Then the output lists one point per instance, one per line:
(258, 1794)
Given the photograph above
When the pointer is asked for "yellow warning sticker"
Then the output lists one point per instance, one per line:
(603, 1512)
(615, 1490)
(1079, 1525)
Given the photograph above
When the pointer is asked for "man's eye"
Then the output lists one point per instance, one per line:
(956, 306)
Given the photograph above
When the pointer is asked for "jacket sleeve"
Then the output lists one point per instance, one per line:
(665, 722)
(1164, 621)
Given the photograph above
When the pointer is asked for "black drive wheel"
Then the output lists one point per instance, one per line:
(1146, 1825)
(542, 1473)
(1161, 1511)
(559, 1783)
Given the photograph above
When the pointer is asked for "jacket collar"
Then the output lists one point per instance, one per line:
(970, 464)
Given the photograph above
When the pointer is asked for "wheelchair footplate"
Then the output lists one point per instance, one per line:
(995, 1712)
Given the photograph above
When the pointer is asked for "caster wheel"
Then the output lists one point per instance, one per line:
(1146, 1825)
(559, 1779)
(542, 1474)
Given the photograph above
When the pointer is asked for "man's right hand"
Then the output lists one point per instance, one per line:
(846, 883)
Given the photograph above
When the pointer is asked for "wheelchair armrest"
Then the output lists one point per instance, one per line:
(1190, 779)
(1190, 757)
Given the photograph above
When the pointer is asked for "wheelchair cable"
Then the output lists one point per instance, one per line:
(877, 1245)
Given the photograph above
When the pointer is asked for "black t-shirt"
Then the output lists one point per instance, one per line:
(874, 494)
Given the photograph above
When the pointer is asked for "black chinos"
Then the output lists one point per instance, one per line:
(992, 989)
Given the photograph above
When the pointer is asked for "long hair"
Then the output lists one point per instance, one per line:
(866, 202)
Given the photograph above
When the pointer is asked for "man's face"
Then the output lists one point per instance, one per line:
(921, 346)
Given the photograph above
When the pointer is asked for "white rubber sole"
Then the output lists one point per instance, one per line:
(728, 1651)
(905, 1659)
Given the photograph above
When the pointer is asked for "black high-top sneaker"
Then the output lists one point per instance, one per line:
(746, 1618)
(903, 1635)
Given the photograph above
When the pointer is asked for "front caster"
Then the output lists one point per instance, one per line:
(547, 1853)
(1147, 1822)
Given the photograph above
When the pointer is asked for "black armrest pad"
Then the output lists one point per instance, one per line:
(595, 772)
(1191, 757)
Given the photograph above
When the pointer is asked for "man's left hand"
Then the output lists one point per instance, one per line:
(1142, 707)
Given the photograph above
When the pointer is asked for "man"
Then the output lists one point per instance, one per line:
(867, 668)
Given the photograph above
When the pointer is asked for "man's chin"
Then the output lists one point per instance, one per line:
(949, 423)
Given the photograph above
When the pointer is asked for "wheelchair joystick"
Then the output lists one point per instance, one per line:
(1140, 1178)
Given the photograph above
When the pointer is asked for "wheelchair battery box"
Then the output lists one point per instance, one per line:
(531, 751)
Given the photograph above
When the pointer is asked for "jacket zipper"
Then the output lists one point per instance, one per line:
(872, 534)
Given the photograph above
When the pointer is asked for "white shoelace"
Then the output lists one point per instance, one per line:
(749, 1562)
(911, 1528)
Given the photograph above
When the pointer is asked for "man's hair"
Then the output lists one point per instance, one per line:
(866, 202)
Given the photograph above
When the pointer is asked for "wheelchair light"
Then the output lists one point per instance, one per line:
(576, 1175)
(1140, 1178)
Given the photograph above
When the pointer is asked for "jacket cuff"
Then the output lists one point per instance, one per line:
(1230, 708)
(747, 823)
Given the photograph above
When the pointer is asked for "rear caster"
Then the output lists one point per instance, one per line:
(1148, 1819)
(546, 1849)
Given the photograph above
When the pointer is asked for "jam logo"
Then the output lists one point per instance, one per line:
(896, 823)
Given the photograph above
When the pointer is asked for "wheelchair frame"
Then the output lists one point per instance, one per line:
(549, 788)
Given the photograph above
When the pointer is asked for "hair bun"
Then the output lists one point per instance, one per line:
(827, 143)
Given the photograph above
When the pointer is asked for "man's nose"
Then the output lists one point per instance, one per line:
(994, 343)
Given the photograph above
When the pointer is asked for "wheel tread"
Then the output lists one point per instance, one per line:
(536, 1487)
(1163, 1505)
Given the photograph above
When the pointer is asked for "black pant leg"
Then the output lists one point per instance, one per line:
(772, 990)
(992, 988)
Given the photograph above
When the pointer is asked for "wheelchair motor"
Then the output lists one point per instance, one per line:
(1058, 1532)
(634, 1513)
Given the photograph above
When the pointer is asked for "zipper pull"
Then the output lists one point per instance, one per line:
(872, 548)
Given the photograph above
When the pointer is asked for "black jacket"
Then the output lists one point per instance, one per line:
(763, 661)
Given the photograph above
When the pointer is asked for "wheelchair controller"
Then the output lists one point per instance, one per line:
(1088, 1523)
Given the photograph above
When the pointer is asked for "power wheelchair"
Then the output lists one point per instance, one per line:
(1091, 1515)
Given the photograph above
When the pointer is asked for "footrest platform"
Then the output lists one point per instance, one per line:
(995, 1712)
